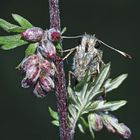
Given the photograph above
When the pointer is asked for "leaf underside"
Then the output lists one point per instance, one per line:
(85, 97)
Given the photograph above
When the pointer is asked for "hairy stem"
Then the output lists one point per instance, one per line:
(60, 82)
(61, 103)
(54, 14)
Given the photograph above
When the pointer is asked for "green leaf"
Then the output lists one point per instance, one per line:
(8, 26)
(31, 49)
(81, 84)
(53, 114)
(72, 96)
(63, 30)
(90, 95)
(84, 121)
(72, 110)
(84, 99)
(113, 84)
(95, 88)
(106, 106)
(73, 99)
(12, 45)
(91, 131)
(84, 89)
(16, 29)
(94, 105)
(22, 21)
(58, 46)
(56, 123)
(9, 39)
(90, 128)
(81, 128)
(11, 42)
(101, 78)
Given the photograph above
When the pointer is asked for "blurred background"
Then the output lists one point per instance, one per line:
(22, 115)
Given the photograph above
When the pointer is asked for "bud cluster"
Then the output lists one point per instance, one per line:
(39, 68)
(111, 123)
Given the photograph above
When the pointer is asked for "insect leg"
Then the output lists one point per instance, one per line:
(99, 62)
(70, 52)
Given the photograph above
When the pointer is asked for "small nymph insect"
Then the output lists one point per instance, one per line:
(88, 57)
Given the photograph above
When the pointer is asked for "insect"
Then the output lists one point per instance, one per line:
(88, 57)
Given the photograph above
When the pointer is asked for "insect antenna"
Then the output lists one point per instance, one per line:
(120, 52)
(70, 37)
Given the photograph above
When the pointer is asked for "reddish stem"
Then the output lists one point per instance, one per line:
(60, 82)
(54, 14)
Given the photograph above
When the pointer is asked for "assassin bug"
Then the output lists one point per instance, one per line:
(88, 56)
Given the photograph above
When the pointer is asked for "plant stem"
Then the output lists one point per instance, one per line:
(54, 14)
(60, 76)
(62, 104)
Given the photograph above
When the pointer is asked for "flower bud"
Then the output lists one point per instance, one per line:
(48, 67)
(28, 62)
(34, 34)
(46, 83)
(32, 74)
(112, 125)
(54, 35)
(38, 91)
(107, 119)
(47, 49)
(95, 121)
(38, 72)
(126, 133)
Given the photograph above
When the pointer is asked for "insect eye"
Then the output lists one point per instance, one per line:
(97, 45)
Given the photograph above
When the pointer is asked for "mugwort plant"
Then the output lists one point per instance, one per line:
(82, 104)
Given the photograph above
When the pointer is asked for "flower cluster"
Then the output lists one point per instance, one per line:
(39, 68)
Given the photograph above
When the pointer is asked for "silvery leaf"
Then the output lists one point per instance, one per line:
(115, 83)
